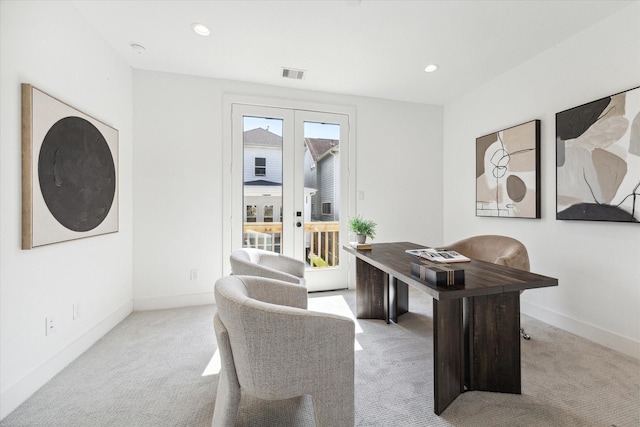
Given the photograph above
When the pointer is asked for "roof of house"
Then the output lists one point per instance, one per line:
(318, 147)
(263, 182)
(262, 137)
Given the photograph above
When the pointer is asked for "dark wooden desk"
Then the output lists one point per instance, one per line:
(476, 326)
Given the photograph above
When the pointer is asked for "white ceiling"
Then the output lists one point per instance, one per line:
(369, 48)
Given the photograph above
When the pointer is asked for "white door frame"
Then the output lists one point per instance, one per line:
(229, 224)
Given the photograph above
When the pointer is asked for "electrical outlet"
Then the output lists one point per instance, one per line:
(76, 310)
(50, 324)
(194, 274)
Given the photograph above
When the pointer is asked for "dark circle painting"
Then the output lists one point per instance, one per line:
(77, 174)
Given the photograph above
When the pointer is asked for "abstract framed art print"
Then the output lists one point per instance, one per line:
(69, 172)
(598, 160)
(507, 172)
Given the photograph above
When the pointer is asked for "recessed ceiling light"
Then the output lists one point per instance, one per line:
(431, 68)
(200, 29)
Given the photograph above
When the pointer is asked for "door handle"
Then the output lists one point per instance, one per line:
(298, 224)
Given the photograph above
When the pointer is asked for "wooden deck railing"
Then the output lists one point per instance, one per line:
(322, 238)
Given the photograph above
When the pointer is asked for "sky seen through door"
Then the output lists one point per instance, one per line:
(311, 129)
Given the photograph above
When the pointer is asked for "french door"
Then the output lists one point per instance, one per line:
(290, 187)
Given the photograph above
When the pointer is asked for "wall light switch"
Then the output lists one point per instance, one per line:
(76, 310)
(194, 274)
(360, 195)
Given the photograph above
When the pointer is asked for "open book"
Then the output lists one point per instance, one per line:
(438, 255)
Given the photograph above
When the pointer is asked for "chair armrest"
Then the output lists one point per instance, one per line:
(275, 291)
(515, 257)
(283, 263)
(248, 268)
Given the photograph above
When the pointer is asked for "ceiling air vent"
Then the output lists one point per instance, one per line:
(291, 73)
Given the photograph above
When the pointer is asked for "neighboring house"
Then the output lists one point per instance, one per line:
(322, 171)
(263, 179)
(262, 176)
(263, 183)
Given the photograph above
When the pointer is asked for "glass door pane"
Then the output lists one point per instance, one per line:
(321, 192)
(321, 145)
(262, 182)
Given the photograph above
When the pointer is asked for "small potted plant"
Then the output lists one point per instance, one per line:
(363, 228)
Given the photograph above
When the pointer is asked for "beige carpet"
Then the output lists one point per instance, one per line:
(154, 370)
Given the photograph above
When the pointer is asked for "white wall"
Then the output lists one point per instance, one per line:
(178, 129)
(597, 298)
(49, 45)
(176, 222)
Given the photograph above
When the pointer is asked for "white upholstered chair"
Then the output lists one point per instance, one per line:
(258, 262)
(272, 348)
(501, 250)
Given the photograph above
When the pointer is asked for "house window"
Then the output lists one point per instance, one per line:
(327, 209)
(261, 166)
(267, 213)
(252, 212)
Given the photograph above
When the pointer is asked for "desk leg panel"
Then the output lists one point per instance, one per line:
(398, 298)
(492, 343)
(402, 295)
(372, 292)
(448, 347)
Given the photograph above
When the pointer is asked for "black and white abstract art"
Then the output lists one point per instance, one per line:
(598, 160)
(507, 172)
(70, 172)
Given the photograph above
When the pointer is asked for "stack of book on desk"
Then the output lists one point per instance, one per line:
(438, 274)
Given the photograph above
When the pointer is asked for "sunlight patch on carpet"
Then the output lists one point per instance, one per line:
(213, 367)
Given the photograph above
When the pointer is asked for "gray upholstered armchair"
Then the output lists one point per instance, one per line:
(258, 262)
(272, 348)
(501, 250)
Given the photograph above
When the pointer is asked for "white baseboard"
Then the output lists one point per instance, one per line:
(11, 398)
(174, 301)
(584, 330)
